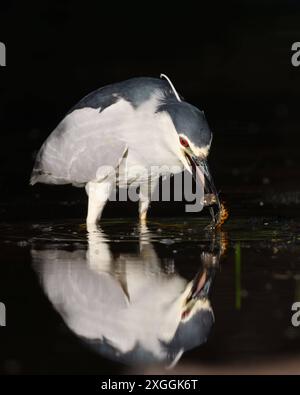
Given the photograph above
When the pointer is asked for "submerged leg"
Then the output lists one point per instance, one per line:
(146, 191)
(98, 194)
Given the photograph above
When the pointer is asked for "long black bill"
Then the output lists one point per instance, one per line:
(210, 189)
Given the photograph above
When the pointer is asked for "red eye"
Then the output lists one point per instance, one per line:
(183, 142)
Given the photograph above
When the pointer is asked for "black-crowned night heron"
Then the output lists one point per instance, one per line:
(141, 122)
(126, 306)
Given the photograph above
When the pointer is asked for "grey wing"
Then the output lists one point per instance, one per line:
(83, 146)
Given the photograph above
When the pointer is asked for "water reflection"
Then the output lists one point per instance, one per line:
(126, 306)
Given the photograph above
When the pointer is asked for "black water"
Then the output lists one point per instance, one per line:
(48, 284)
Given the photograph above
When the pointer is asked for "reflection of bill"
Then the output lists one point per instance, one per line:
(296, 316)
(2, 314)
(126, 306)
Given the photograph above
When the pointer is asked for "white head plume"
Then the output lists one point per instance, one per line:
(171, 85)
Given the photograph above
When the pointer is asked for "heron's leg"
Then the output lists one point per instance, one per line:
(98, 254)
(98, 194)
(146, 191)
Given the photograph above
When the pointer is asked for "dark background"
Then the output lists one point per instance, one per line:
(232, 59)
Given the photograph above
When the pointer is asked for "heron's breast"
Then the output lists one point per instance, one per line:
(140, 168)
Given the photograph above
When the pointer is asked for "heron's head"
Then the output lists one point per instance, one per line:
(194, 139)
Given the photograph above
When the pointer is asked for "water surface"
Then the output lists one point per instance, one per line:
(116, 297)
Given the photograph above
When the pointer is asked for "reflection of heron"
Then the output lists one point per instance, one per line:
(127, 307)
